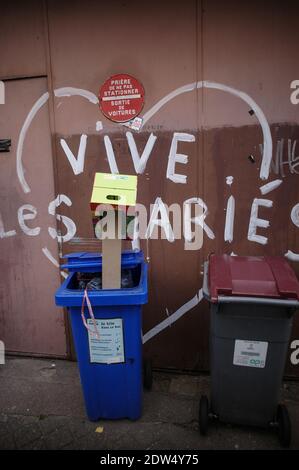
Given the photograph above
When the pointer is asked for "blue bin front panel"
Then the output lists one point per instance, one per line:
(111, 391)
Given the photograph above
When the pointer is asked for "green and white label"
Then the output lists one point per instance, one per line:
(250, 353)
(109, 347)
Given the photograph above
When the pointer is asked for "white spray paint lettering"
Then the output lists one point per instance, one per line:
(295, 215)
(140, 162)
(266, 188)
(162, 221)
(91, 97)
(279, 162)
(77, 164)
(255, 222)
(3, 233)
(295, 94)
(174, 316)
(51, 258)
(99, 126)
(295, 354)
(229, 220)
(175, 157)
(229, 180)
(2, 92)
(71, 91)
(110, 155)
(28, 216)
(20, 170)
(291, 255)
(69, 223)
(199, 220)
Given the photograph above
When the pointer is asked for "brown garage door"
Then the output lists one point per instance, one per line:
(29, 320)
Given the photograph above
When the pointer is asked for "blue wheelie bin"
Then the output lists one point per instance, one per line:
(110, 362)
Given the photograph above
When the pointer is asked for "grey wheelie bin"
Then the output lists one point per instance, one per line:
(252, 303)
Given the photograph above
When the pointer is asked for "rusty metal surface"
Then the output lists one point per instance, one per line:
(248, 47)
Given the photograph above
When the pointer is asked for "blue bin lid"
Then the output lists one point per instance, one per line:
(91, 262)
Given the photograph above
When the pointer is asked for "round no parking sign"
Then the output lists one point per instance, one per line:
(121, 98)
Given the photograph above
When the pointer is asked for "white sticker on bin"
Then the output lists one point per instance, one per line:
(109, 348)
(250, 353)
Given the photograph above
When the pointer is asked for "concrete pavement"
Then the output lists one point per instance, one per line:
(41, 407)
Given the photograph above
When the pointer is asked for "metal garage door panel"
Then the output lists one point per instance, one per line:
(251, 49)
(29, 320)
(163, 62)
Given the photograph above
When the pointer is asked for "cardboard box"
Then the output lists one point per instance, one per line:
(114, 189)
(119, 191)
(111, 262)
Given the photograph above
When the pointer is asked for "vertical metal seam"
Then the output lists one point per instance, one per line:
(52, 122)
(201, 110)
(202, 96)
(51, 107)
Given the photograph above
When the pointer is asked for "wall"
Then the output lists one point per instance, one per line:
(235, 58)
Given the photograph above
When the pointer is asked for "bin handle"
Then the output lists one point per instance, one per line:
(94, 331)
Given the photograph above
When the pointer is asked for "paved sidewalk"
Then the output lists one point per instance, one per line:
(41, 407)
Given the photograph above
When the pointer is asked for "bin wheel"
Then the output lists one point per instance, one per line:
(203, 420)
(147, 374)
(284, 426)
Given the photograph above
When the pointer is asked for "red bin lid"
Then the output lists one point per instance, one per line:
(252, 276)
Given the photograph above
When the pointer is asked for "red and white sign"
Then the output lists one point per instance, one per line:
(121, 98)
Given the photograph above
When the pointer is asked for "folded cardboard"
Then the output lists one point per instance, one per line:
(114, 189)
(120, 192)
